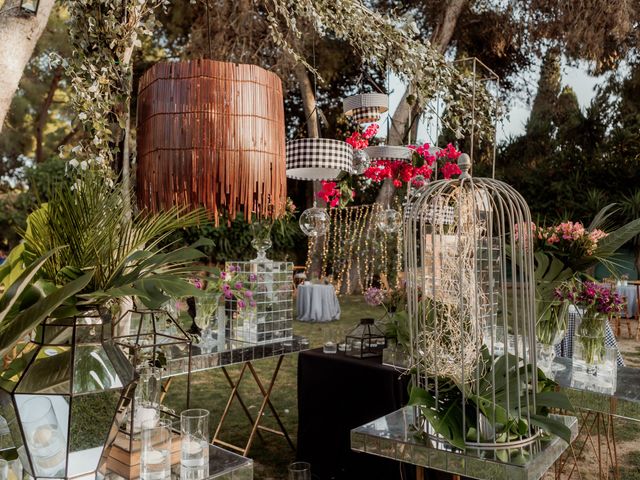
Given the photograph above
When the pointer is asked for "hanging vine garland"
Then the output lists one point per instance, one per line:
(104, 34)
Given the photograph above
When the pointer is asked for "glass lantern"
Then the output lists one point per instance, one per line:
(366, 340)
(62, 394)
(151, 338)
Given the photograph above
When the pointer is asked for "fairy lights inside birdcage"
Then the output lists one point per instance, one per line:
(471, 301)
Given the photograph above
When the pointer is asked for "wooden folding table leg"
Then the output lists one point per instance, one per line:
(164, 389)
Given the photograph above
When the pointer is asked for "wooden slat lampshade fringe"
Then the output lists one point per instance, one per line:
(211, 134)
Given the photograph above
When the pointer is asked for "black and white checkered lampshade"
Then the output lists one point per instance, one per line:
(318, 158)
(389, 152)
(365, 107)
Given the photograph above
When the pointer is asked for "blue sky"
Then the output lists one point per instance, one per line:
(519, 107)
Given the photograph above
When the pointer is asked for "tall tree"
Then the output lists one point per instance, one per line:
(541, 119)
(19, 33)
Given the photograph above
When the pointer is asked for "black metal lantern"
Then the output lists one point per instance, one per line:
(29, 6)
(61, 396)
(153, 336)
(366, 340)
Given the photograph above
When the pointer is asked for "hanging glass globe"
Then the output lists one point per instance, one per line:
(361, 161)
(314, 222)
(388, 220)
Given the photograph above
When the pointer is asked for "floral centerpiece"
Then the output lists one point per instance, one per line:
(218, 286)
(597, 303)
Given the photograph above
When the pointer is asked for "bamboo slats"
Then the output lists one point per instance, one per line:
(211, 134)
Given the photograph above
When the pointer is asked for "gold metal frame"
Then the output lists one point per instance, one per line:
(256, 428)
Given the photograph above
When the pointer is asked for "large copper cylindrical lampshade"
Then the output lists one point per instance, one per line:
(211, 134)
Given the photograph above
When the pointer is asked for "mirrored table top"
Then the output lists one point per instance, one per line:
(394, 436)
(223, 465)
(229, 353)
(622, 398)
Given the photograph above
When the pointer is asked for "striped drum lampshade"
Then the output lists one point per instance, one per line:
(211, 134)
(365, 107)
(389, 152)
(318, 158)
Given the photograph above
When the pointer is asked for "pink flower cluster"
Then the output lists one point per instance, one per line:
(374, 296)
(403, 172)
(565, 236)
(591, 295)
(359, 140)
(334, 193)
(229, 285)
(398, 170)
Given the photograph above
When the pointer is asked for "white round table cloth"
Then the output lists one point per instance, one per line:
(317, 303)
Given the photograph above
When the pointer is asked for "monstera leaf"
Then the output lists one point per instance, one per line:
(503, 396)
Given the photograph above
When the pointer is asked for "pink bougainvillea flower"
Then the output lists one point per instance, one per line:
(449, 169)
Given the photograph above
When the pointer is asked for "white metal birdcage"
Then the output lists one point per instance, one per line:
(471, 303)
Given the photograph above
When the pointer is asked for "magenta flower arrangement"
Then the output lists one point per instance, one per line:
(590, 295)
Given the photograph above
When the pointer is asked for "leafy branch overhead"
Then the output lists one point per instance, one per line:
(387, 42)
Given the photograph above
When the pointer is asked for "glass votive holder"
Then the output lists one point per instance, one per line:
(147, 396)
(44, 436)
(329, 345)
(194, 430)
(155, 457)
(300, 471)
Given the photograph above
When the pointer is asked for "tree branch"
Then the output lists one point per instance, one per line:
(43, 114)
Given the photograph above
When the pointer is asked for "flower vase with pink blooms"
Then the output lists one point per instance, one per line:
(210, 316)
(595, 303)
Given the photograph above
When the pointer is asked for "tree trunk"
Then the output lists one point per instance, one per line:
(126, 150)
(401, 119)
(19, 34)
(43, 114)
(308, 101)
(440, 40)
(313, 131)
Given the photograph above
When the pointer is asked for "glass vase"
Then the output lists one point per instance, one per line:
(551, 323)
(155, 458)
(194, 429)
(261, 242)
(590, 340)
(550, 330)
(147, 398)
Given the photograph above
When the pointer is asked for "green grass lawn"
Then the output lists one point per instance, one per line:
(210, 390)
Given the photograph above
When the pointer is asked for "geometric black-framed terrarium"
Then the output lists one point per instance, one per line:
(150, 338)
(366, 340)
(61, 396)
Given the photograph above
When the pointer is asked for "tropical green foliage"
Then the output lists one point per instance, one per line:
(26, 302)
(232, 241)
(122, 248)
(501, 396)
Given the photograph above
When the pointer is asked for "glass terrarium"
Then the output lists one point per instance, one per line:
(61, 396)
(366, 340)
(149, 338)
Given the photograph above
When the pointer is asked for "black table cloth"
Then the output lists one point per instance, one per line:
(335, 394)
